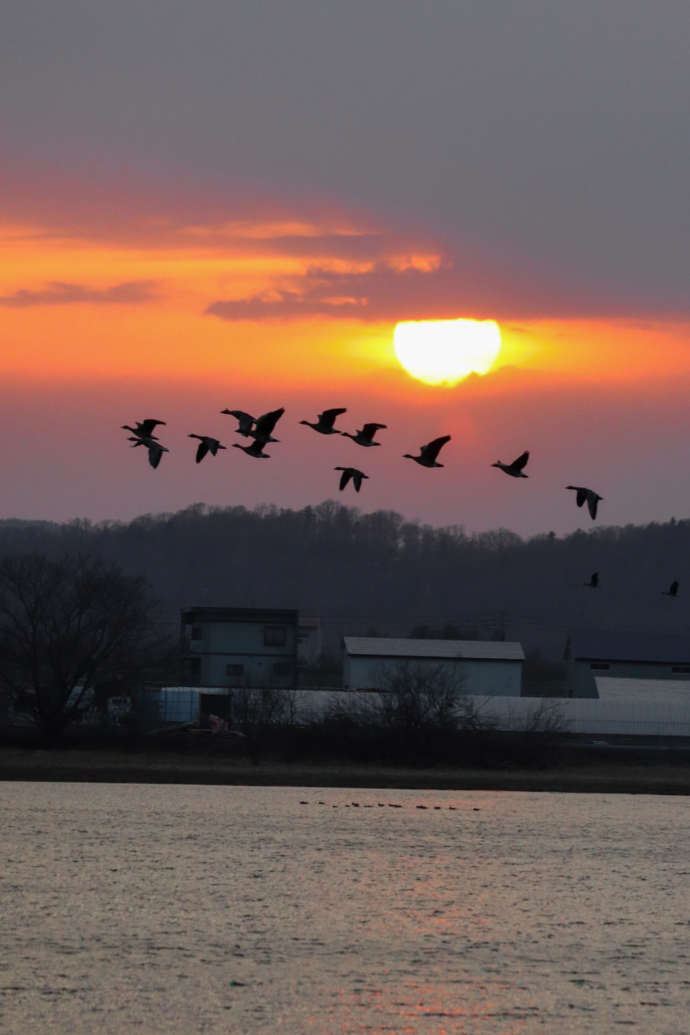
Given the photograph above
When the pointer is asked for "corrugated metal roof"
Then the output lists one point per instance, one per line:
(629, 645)
(671, 691)
(393, 647)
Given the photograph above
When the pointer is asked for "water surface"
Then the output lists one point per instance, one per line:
(154, 908)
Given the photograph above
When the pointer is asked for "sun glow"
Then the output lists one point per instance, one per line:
(445, 351)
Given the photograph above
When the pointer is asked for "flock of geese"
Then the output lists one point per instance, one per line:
(260, 431)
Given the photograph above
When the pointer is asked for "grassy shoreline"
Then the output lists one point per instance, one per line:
(122, 767)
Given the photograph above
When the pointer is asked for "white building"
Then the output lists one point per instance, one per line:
(488, 667)
(239, 647)
(629, 655)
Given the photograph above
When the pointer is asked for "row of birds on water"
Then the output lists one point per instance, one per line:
(260, 431)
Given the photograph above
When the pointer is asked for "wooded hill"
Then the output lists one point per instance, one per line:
(380, 574)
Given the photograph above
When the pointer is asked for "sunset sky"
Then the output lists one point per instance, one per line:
(232, 205)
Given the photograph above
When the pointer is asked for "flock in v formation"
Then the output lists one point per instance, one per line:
(260, 431)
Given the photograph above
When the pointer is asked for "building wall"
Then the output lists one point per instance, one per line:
(582, 674)
(472, 676)
(241, 653)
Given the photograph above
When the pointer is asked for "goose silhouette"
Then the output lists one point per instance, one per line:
(516, 469)
(153, 446)
(207, 444)
(255, 449)
(326, 420)
(143, 428)
(429, 452)
(365, 436)
(588, 496)
(351, 474)
(264, 425)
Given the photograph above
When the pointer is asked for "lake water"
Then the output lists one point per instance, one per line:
(142, 908)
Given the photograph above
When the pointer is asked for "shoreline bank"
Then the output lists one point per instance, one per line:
(94, 767)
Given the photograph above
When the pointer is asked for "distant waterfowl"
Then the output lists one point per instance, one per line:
(264, 425)
(672, 590)
(326, 421)
(143, 428)
(588, 496)
(365, 436)
(351, 474)
(206, 445)
(429, 452)
(244, 421)
(593, 580)
(154, 447)
(255, 450)
(516, 469)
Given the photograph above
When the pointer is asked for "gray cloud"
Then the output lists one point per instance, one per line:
(58, 293)
(554, 136)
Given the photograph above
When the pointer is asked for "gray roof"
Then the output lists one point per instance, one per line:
(671, 691)
(629, 645)
(398, 647)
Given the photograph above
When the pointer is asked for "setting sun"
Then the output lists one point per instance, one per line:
(445, 351)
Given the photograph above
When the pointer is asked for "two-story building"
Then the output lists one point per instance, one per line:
(239, 647)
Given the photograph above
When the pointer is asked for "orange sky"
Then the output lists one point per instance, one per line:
(289, 299)
(165, 312)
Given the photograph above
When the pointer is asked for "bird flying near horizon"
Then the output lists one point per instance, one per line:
(588, 496)
(516, 468)
(429, 452)
(351, 474)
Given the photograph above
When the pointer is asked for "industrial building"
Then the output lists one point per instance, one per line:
(490, 667)
(629, 654)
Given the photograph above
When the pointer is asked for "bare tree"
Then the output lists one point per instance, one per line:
(419, 697)
(64, 625)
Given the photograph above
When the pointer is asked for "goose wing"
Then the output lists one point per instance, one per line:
(431, 450)
(244, 420)
(202, 449)
(369, 430)
(592, 502)
(265, 424)
(344, 477)
(520, 462)
(328, 417)
(155, 453)
(581, 493)
(145, 427)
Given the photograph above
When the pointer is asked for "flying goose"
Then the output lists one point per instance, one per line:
(672, 590)
(429, 452)
(255, 449)
(588, 496)
(206, 445)
(351, 474)
(143, 427)
(365, 436)
(154, 447)
(244, 421)
(264, 425)
(515, 470)
(593, 581)
(326, 420)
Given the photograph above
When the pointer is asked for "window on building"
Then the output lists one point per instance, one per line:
(275, 635)
(197, 632)
(282, 668)
(234, 670)
(600, 665)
